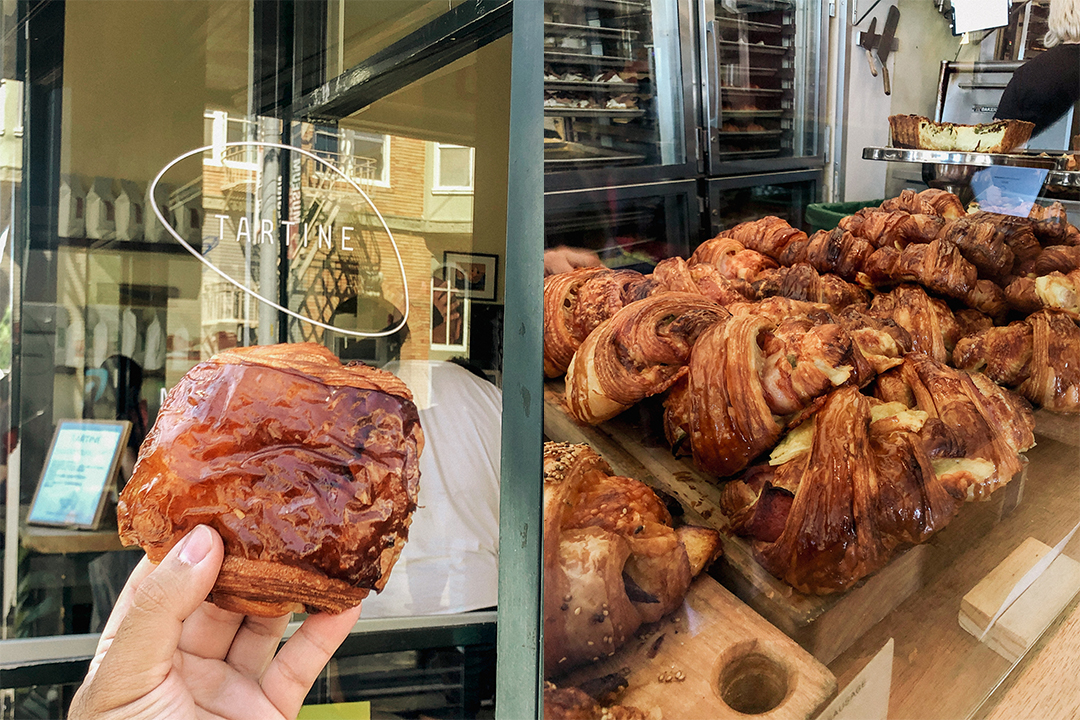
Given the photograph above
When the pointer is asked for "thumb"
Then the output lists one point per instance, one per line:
(141, 654)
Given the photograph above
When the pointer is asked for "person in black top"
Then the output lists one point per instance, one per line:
(1044, 88)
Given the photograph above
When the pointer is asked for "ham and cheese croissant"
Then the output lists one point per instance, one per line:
(748, 375)
(640, 351)
(864, 475)
(612, 559)
(1039, 357)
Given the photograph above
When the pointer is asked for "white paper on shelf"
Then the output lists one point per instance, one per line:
(1029, 577)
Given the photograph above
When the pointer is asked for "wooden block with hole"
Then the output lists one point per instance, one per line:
(714, 657)
(1024, 621)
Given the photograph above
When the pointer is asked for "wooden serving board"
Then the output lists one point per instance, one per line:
(825, 625)
(714, 657)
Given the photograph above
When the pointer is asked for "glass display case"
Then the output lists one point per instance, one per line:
(616, 91)
(632, 227)
(732, 200)
(763, 84)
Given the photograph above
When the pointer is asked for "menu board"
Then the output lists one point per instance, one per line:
(79, 472)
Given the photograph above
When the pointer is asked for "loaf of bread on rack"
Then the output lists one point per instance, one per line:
(640, 351)
(748, 375)
(612, 559)
(1001, 136)
(1038, 357)
(309, 471)
(864, 475)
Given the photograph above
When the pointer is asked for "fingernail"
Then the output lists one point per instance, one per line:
(196, 545)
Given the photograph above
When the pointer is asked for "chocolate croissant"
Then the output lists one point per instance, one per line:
(1038, 357)
(612, 560)
(309, 471)
(563, 330)
(637, 353)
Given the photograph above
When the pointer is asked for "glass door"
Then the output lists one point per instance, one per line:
(615, 91)
(763, 84)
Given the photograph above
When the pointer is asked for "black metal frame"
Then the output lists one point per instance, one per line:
(453, 35)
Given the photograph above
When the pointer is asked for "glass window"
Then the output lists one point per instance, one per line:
(453, 168)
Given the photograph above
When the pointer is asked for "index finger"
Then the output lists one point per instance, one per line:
(291, 674)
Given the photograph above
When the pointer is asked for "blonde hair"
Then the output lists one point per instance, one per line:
(1064, 23)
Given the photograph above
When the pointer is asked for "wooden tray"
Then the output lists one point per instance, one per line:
(825, 625)
(715, 658)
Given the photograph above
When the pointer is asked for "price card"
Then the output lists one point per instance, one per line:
(1008, 190)
(866, 697)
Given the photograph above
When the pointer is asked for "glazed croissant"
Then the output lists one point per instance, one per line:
(943, 203)
(612, 560)
(769, 236)
(928, 202)
(843, 490)
(931, 325)
(1039, 357)
(982, 246)
(748, 375)
(308, 469)
(676, 275)
(803, 282)
(731, 258)
(892, 229)
(640, 351)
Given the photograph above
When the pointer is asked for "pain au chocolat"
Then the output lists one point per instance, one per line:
(308, 469)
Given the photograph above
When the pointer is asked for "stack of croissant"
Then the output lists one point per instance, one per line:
(902, 334)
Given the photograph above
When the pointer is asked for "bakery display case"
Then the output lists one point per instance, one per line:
(697, 379)
(617, 94)
(736, 199)
(763, 81)
(628, 227)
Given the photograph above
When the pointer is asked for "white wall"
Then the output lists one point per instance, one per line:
(923, 40)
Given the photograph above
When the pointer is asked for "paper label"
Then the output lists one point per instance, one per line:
(1008, 190)
(866, 697)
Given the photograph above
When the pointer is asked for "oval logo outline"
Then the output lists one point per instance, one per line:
(240, 286)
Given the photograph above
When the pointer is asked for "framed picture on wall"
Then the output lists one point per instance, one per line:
(476, 273)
